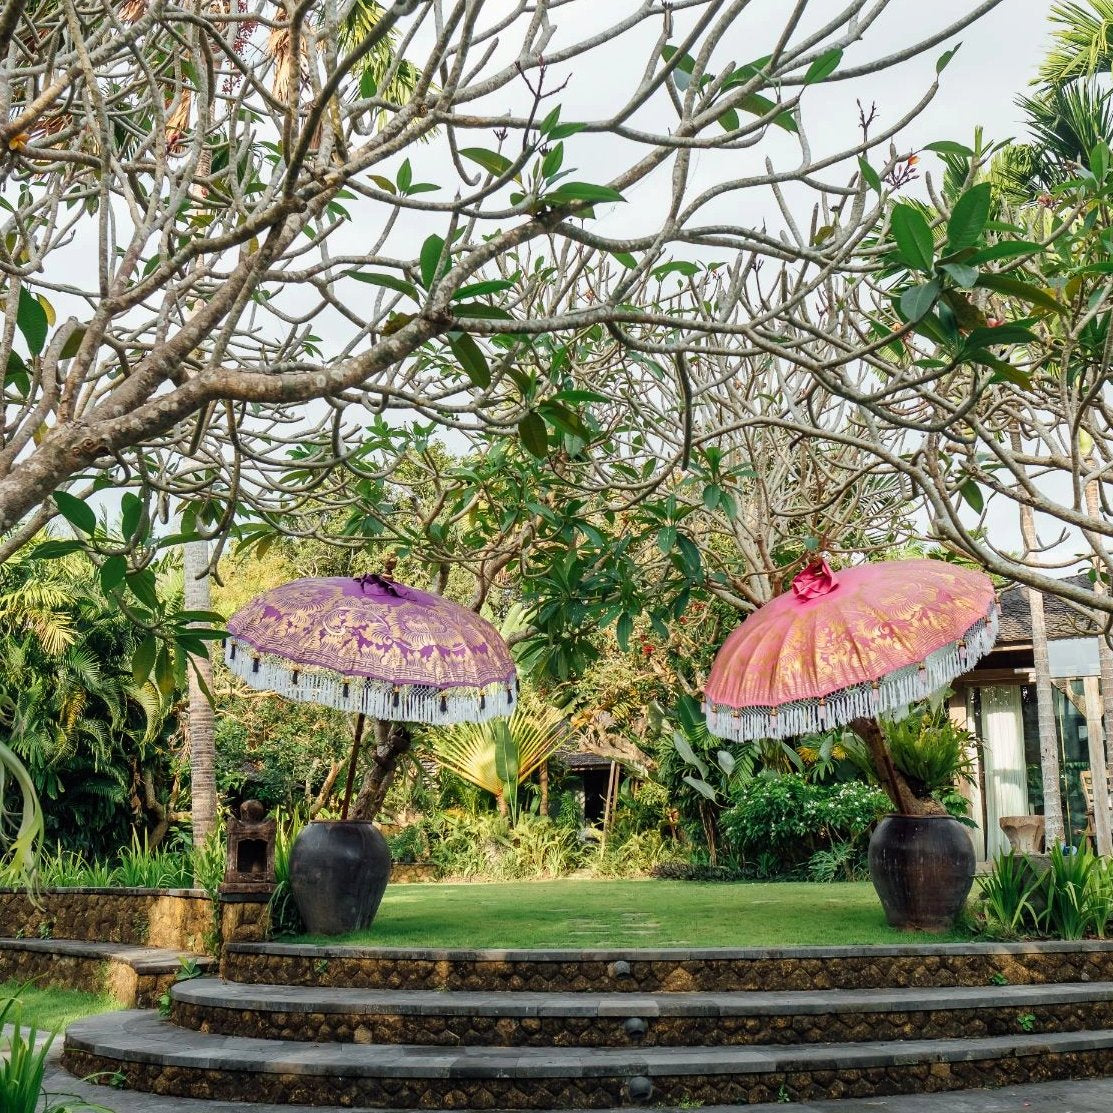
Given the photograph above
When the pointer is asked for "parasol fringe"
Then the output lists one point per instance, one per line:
(377, 699)
(862, 701)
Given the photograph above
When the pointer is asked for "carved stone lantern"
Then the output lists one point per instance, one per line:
(250, 866)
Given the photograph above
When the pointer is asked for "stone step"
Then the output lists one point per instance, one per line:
(671, 970)
(141, 1051)
(524, 1019)
(136, 976)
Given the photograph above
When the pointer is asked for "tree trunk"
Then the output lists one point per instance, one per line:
(889, 777)
(202, 750)
(543, 777)
(1045, 694)
(1105, 664)
(392, 743)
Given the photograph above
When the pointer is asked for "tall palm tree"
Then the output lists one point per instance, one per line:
(201, 731)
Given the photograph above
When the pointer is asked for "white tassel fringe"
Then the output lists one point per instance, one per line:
(863, 701)
(408, 703)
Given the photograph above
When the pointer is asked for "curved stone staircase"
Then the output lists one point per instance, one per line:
(569, 1029)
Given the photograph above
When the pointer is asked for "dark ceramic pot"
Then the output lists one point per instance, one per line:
(338, 873)
(922, 867)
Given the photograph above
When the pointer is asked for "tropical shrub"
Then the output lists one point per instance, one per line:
(23, 1065)
(285, 918)
(791, 818)
(1071, 898)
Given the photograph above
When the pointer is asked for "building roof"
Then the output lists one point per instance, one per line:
(1063, 621)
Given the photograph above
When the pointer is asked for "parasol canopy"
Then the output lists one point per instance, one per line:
(375, 647)
(849, 645)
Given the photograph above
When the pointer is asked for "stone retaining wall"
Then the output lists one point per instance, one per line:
(898, 1077)
(454, 1030)
(178, 919)
(803, 968)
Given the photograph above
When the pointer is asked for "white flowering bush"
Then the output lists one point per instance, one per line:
(792, 818)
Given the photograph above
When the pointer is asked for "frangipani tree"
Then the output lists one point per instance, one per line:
(214, 215)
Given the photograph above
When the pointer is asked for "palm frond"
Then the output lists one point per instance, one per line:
(1082, 42)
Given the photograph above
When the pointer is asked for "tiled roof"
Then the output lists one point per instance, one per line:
(1063, 621)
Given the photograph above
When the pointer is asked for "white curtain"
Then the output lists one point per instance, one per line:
(1006, 779)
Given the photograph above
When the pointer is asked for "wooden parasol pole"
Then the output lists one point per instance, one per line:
(360, 719)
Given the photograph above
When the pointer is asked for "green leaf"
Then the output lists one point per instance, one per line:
(491, 161)
(482, 309)
(869, 175)
(999, 336)
(564, 419)
(569, 192)
(947, 147)
(143, 659)
(823, 66)
(1006, 250)
(711, 496)
(367, 86)
(551, 163)
(917, 301)
(729, 120)
(478, 289)
(534, 436)
(969, 216)
(112, 573)
(757, 105)
(77, 512)
(389, 281)
(144, 587)
(625, 258)
(53, 550)
(32, 321)
(580, 396)
(944, 59)
(430, 261)
(1022, 291)
(701, 786)
(164, 672)
(131, 514)
(912, 235)
(1003, 372)
(72, 344)
(405, 176)
(726, 760)
(962, 274)
(972, 494)
(666, 539)
(623, 630)
(471, 358)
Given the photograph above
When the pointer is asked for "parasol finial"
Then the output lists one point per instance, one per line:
(815, 581)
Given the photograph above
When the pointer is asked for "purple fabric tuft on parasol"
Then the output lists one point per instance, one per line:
(375, 647)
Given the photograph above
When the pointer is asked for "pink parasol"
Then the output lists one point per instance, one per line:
(375, 647)
(848, 646)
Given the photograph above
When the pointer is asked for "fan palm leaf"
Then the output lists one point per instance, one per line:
(472, 750)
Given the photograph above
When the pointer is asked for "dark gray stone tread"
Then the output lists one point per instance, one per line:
(144, 960)
(217, 993)
(143, 1037)
(671, 954)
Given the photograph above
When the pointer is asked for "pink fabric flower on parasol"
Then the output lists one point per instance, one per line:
(375, 647)
(849, 645)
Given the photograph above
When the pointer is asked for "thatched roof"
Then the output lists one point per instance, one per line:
(1063, 621)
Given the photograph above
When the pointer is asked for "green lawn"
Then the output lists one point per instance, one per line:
(579, 914)
(46, 1008)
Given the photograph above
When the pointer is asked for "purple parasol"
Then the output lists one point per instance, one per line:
(375, 647)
